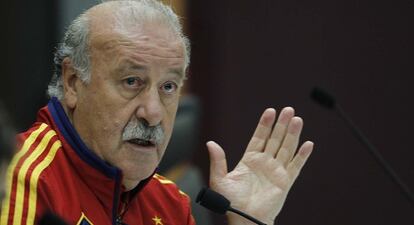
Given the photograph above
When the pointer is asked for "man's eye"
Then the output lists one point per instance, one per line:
(169, 87)
(133, 82)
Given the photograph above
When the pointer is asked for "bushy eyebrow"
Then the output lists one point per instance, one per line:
(133, 66)
(130, 66)
(177, 71)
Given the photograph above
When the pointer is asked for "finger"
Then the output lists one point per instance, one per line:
(290, 142)
(263, 130)
(299, 160)
(218, 163)
(279, 131)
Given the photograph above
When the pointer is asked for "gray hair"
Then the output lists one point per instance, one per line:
(75, 44)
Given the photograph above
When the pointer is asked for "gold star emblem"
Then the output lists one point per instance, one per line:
(157, 220)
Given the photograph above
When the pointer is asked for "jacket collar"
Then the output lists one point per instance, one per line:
(72, 137)
(103, 173)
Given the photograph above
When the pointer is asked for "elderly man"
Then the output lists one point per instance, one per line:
(92, 154)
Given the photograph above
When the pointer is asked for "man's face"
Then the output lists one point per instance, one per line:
(134, 80)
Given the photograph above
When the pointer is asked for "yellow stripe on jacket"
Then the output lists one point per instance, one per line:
(31, 213)
(21, 179)
(12, 166)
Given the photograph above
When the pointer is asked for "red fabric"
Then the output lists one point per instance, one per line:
(72, 188)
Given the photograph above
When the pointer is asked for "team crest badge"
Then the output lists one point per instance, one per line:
(83, 220)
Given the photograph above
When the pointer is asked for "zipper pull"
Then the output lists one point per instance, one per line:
(119, 221)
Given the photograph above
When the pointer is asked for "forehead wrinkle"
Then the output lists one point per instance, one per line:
(148, 48)
(104, 21)
(148, 39)
(144, 48)
(138, 61)
(125, 63)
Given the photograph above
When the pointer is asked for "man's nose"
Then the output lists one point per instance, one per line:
(150, 107)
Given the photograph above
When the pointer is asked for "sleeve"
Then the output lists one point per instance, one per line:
(26, 198)
(185, 199)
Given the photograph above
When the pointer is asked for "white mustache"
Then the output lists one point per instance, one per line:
(136, 129)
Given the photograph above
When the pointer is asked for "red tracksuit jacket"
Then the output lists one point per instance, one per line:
(54, 171)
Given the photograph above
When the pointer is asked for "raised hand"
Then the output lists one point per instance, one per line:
(261, 180)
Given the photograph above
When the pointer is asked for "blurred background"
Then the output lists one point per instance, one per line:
(248, 55)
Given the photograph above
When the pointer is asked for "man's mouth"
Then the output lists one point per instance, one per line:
(142, 142)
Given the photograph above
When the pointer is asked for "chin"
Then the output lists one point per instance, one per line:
(139, 171)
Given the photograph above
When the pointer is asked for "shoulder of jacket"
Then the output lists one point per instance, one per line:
(37, 148)
(168, 185)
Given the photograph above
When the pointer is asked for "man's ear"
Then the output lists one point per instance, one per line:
(70, 78)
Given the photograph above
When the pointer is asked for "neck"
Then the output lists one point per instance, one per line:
(129, 184)
(67, 111)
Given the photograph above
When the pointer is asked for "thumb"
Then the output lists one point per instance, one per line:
(218, 163)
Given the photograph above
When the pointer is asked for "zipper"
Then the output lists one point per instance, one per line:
(117, 215)
(116, 219)
(119, 221)
(121, 214)
(124, 208)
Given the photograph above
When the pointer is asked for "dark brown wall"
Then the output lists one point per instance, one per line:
(248, 55)
(28, 40)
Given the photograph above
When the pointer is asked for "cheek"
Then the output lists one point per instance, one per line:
(171, 101)
(169, 119)
(112, 126)
(171, 111)
(108, 117)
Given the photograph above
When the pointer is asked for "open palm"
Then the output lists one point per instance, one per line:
(261, 180)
